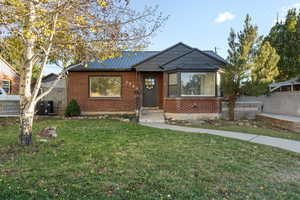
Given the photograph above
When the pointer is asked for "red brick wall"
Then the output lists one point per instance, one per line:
(192, 105)
(14, 83)
(78, 88)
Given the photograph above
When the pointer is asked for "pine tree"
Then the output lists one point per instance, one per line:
(241, 49)
(264, 68)
(263, 71)
(285, 38)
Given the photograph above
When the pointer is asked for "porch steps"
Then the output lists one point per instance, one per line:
(152, 116)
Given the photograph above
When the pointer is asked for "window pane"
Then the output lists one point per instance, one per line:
(198, 84)
(172, 86)
(6, 86)
(173, 79)
(172, 90)
(105, 86)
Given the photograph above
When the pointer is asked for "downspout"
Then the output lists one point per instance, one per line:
(137, 98)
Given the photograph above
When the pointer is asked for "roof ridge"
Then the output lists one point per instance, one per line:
(177, 58)
(141, 51)
(160, 52)
(210, 56)
(194, 49)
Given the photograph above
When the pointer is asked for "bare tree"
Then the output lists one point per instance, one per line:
(69, 30)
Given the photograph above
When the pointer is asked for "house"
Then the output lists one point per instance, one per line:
(286, 86)
(182, 81)
(58, 95)
(9, 78)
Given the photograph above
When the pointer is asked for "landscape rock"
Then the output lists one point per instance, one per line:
(125, 120)
(247, 124)
(241, 124)
(48, 132)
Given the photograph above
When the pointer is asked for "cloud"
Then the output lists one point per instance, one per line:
(225, 16)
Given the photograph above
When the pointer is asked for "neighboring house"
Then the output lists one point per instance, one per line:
(286, 86)
(58, 94)
(182, 81)
(283, 99)
(9, 78)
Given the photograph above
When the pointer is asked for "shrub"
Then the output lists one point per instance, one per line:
(73, 109)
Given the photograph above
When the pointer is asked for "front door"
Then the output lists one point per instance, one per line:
(150, 92)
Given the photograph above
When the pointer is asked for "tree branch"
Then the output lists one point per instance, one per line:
(47, 53)
(61, 75)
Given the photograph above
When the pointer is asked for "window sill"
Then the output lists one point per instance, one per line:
(192, 97)
(105, 98)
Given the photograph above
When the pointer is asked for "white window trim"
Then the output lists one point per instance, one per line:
(202, 73)
(90, 88)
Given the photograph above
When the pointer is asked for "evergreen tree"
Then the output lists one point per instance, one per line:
(285, 38)
(241, 49)
(263, 71)
(264, 68)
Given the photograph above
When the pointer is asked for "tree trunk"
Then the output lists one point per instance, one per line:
(231, 108)
(26, 101)
(26, 121)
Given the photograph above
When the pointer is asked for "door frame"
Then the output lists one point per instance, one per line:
(154, 76)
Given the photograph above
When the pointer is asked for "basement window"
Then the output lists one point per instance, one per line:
(105, 86)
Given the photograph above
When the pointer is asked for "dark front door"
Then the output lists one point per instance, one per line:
(150, 92)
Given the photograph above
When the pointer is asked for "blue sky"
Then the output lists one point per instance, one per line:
(206, 24)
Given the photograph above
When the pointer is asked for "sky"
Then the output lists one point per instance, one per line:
(206, 24)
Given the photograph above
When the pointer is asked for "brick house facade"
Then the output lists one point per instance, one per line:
(9, 78)
(179, 80)
(89, 105)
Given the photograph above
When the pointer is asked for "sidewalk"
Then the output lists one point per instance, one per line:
(290, 145)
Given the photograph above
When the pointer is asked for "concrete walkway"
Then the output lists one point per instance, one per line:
(290, 145)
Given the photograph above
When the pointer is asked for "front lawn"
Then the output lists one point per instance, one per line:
(103, 159)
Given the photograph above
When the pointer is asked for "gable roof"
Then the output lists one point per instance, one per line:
(122, 63)
(215, 55)
(153, 63)
(163, 51)
(153, 60)
(194, 60)
(8, 67)
(50, 77)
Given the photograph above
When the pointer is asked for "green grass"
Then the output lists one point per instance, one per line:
(252, 130)
(102, 159)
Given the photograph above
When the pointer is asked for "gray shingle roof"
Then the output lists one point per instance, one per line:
(215, 55)
(122, 63)
(179, 55)
(193, 60)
